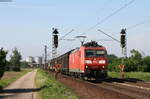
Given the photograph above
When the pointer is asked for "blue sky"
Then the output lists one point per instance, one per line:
(27, 24)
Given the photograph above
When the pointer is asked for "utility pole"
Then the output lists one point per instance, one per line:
(45, 57)
(45, 52)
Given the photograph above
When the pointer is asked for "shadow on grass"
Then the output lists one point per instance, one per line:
(5, 93)
(24, 90)
(122, 80)
(119, 80)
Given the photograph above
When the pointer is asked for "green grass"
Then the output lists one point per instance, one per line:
(145, 76)
(5, 82)
(53, 89)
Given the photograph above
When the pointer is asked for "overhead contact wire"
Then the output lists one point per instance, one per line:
(109, 16)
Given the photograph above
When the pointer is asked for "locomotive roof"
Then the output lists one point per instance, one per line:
(92, 44)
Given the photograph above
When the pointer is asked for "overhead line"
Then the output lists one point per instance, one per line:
(106, 18)
(66, 34)
(138, 24)
(108, 35)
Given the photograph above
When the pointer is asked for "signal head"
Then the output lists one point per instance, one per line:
(55, 31)
(56, 41)
(123, 31)
(123, 40)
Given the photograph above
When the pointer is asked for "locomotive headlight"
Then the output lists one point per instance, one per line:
(103, 66)
(102, 62)
(88, 61)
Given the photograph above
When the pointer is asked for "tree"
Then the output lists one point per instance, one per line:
(111, 58)
(136, 62)
(15, 60)
(113, 62)
(136, 54)
(2, 61)
(146, 63)
(24, 64)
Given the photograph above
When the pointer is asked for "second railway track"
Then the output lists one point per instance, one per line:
(130, 91)
(104, 90)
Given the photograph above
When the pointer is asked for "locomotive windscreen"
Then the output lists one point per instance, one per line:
(95, 53)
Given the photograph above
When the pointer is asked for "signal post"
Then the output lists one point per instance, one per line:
(54, 43)
(54, 51)
(123, 42)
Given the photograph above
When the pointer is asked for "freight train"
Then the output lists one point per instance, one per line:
(88, 61)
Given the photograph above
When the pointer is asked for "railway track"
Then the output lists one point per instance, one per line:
(105, 89)
(126, 91)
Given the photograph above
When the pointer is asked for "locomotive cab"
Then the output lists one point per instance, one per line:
(95, 62)
(95, 59)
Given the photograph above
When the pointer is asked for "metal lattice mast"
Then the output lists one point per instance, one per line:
(125, 50)
(54, 51)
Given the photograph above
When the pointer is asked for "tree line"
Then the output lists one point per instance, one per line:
(13, 64)
(135, 63)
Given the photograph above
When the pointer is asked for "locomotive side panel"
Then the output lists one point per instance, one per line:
(74, 61)
(82, 60)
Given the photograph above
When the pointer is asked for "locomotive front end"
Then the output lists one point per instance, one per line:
(96, 62)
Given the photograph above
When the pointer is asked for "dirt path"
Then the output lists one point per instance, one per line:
(23, 88)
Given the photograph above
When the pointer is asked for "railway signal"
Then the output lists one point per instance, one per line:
(123, 42)
(123, 38)
(55, 38)
(55, 42)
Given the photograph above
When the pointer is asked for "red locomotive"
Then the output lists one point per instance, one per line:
(90, 61)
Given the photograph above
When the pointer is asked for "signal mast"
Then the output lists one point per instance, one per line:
(123, 42)
(54, 42)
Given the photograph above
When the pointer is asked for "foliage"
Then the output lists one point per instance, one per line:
(2, 61)
(146, 62)
(52, 88)
(111, 58)
(113, 62)
(136, 62)
(24, 64)
(145, 76)
(15, 60)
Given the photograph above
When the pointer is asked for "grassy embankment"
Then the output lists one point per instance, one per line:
(145, 76)
(11, 76)
(53, 89)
